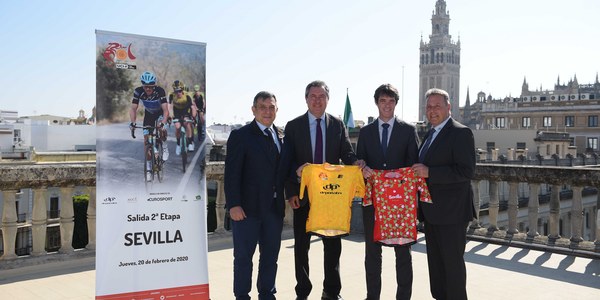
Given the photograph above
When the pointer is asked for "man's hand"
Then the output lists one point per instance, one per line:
(132, 126)
(294, 202)
(361, 163)
(299, 170)
(367, 172)
(421, 170)
(237, 213)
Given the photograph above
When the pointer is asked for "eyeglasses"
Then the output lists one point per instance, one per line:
(179, 91)
(148, 86)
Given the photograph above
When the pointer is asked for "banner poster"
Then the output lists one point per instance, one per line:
(151, 212)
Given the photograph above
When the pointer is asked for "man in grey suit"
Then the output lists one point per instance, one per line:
(314, 137)
(386, 144)
(447, 161)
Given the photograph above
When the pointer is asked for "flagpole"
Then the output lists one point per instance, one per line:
(402, 115)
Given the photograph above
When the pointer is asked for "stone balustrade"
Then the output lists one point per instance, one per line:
(72, 178)
(495, 174)
(68, 178)
(575, 178)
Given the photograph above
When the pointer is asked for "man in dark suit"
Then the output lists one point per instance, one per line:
(447, 161)
(254, 198)
(386, 144)
(314, 137)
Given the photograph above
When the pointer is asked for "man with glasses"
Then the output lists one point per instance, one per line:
(155, 108)
(183, 109)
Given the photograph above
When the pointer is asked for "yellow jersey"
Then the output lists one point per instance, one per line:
(331, 189)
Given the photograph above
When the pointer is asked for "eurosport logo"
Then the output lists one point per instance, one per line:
(119, 56)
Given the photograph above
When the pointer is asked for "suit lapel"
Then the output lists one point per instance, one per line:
(305, 136)
(375, 133)
(439, 139)
(264, 142)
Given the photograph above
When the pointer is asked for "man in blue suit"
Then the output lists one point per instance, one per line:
(254, 198)
(447, 162)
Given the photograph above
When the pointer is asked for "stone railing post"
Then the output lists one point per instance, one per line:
(476, 203)
(9, 224)
(596, 223)
(66, 219)
(554, 218)
(91, 219)
(513, 206)
(220, 206)
(576, 215)
(533, 206)
(494, 206)
(39, 217)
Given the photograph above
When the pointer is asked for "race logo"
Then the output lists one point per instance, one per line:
(119, 56)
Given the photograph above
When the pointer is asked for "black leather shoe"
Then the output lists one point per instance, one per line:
(326, 296)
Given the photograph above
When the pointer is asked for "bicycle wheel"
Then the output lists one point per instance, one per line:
(148, 153)
(159, 161)
(184, 150)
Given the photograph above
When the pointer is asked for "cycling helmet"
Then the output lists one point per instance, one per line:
(148, 78)
(197, 87)
(178, 85)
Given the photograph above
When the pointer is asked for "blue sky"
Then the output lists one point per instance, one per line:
(48, 56)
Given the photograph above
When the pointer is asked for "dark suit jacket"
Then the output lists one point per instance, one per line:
(451, 162)
(401, 150)
(298, 149)
(251, 172)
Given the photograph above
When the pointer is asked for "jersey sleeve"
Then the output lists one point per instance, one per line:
(424, 195)
(305, 180)
(360, 189)
(368, 191)
(136, 96)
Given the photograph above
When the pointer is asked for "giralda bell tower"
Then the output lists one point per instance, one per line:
(440, 61)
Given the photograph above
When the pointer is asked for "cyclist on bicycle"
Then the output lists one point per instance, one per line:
(183, 109)
(201, 105)
(155, 108)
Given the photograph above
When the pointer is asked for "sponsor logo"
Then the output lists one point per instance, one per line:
(119, 56)
(331, 187)
(198, 198)
(323, 176)
(162, 198)
(132, 200)
(109, 200)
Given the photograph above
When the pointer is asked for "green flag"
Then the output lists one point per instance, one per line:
(348, 118)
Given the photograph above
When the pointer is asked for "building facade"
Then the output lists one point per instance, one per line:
(439, 65)
(572, 108)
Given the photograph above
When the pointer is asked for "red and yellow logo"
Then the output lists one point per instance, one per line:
(119, 56)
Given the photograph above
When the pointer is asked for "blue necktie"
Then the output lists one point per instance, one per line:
(427, 144)
(384, 137)
(318, 159)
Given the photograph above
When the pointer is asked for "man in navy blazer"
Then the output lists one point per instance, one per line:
(254, 198)
(300, 147)
(447, 161)
(386, 144)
